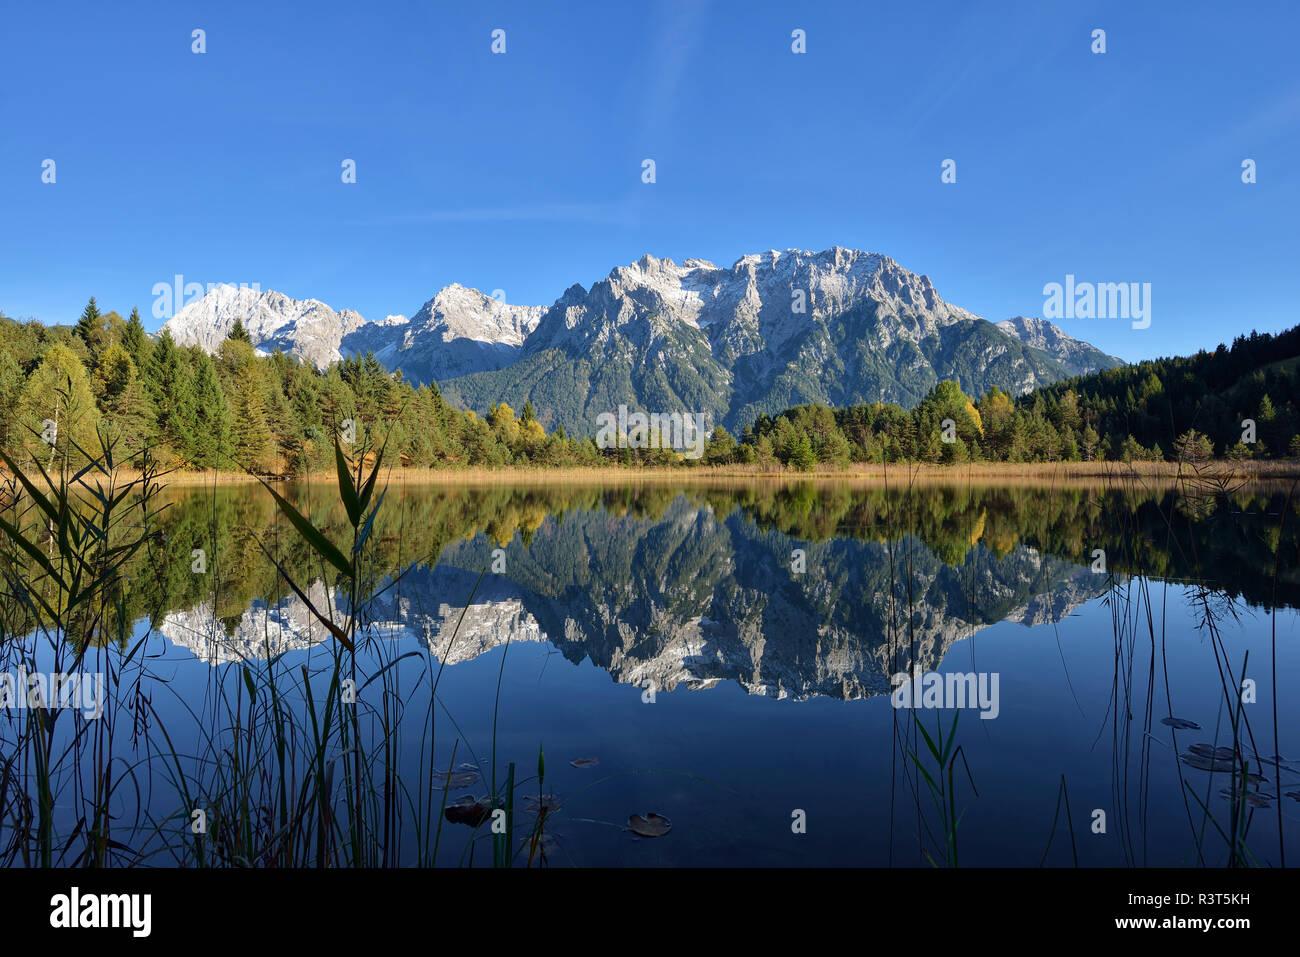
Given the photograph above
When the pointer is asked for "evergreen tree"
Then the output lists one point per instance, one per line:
(123, 400)
(170, 384)
(90, 326)
(211, 446)
(239, 334)
(250, 437)
(136, 341)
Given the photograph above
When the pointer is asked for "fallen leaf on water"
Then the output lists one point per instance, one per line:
(585, 762)
(468, 810)
(464, 776)
(1203, 763)
(652, 825)
(1253, 798)
(1281, 763)
(1210, 751)
(1180, 724)
(546, 845)
(535, 805)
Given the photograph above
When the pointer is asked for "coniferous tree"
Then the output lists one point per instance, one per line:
(136, 341)
(211, 447)
(171, 388)
(123, 399)
(89, 326)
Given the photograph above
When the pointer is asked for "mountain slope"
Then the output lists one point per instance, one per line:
(1078, 357)
(771, 331)
(774, 330)
(306, 328)
(457, 332)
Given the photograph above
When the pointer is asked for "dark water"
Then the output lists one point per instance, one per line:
(726, 655)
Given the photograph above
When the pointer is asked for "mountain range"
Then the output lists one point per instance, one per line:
(686, 600)
(773, 330)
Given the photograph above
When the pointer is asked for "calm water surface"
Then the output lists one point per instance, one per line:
(725, 654)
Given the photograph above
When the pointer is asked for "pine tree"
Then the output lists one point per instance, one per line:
(211, 447)
(1090, 441)
(89, 326)
(136, 341)
(239, 334)
(170, 384)
(250, 437)
(803, 457)
(123, 400)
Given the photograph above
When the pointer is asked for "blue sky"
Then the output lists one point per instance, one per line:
(522, 171)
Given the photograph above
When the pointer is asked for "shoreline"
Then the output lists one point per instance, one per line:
(895, 474)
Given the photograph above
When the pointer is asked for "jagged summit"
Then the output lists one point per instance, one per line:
(307, 328)
(1077, 356)
(774, 329)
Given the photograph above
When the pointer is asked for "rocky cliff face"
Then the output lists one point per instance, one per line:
(1078, 357)
(771, 331)
(457, 332)
(306, 328)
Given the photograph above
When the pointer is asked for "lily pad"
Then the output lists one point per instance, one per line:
(1180, 724)
(546, 845)
(469, 810)
(1252, 798)
(1202, 763)
(1210, 751)
(547, 802)
(585, 762)
(465, 775)
(651, 825)
(1281, 763)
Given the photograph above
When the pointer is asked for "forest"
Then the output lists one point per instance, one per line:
(68, 390)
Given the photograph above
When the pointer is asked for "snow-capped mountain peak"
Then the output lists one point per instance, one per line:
(838, 325)
(307, 328)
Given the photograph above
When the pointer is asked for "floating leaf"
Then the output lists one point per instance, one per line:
(1252, 798)
(545, 845)
(1280, 763)
(1203, 763)
(464, 776)
(469, 810)
(1180, 724)
(585, 762)
(1210, 751)
(651, 825)
(535, 805)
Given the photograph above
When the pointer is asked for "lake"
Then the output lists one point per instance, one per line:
(729, 661)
